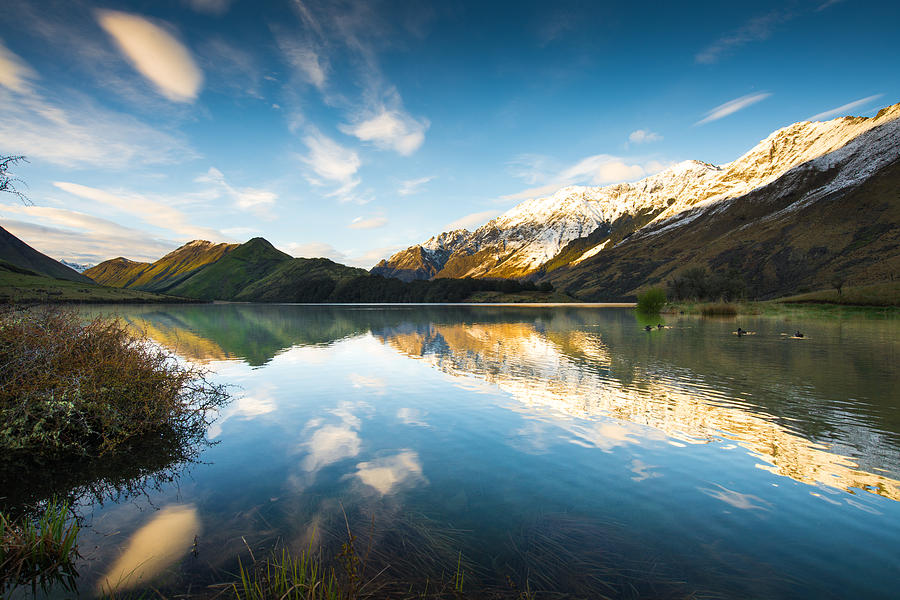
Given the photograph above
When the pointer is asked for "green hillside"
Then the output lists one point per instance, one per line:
(21, 286)
(232, 273)
(300, 280)
(163, 274)
(14, 251)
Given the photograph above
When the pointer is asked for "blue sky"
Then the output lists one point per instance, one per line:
(353, 129)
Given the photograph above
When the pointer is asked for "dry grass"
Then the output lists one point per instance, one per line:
(719, 309)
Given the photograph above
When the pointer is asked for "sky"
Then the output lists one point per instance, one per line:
(353, 129)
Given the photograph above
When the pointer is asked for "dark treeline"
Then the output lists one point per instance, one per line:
(699, 284)
(375, 288)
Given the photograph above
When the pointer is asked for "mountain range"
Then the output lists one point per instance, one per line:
(811, 200)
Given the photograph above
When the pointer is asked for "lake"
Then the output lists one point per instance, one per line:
(560, 449)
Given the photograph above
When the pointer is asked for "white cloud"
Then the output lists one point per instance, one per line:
(14, 73)
(370, 258)
(756, 29)
(413, 186)
(81, 133)
(471, 221)
(152, 212)
(392, 130)
(79, 237)
(313, 250)
(329, 160)
(306, 58)
(330, 444)
(599, 169)
(385, 473)
(642, 136)
(210, 7)
(846, 108)
(370, 223)
(732, 106)
(155, 53)
(256, 200)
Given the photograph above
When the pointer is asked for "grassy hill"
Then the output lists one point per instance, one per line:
(17, 253)
(232, 273)
(18, 286)
(299, 280)
(163, 274)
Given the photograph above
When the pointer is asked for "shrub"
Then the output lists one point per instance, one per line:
(70, 389)
(652, 300)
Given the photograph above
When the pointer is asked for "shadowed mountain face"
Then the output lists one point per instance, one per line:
(22, 258)
(802, 178)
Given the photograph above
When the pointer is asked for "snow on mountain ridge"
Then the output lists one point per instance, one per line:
(534, 231)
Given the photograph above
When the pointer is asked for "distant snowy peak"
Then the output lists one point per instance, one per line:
(81, 268)
(518, 242)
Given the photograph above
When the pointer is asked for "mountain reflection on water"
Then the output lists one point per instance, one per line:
(788, 404)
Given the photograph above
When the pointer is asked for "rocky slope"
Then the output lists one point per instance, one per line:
(577, 224)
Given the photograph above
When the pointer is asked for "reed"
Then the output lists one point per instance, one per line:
(720, 309)
(39, 552)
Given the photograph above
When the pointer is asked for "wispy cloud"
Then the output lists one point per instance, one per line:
(845, 109)
(80, 133)
(257, 200)
(756, 29)
(598, 169)
(732, 106)
(413, 186)
(472, 221)
(14, 72)
(306, 57)
(370, 258)
(155, 53)
(150, 211)
(644, 136)
(210, 7)
(79, 237)
(392, 130)
(331, 161)
(368, 223)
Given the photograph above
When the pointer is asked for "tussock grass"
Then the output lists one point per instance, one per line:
(719, 309)
(70, 389)
(39, 552)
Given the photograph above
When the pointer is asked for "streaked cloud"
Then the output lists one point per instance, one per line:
(844, 109)
(80, 237)
(413, 186)
(155, 53)
(369, 223)
(305, 57)
(756, 29)
(80, 133)
(257, 200)
(391, 130)
(14, 73)
(643, 136)
(472, 221)
(732, 106)
(150, 211)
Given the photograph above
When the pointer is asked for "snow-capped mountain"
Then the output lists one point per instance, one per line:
(535, 233)
(81, 268)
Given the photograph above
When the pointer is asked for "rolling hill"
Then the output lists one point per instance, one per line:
(14, 252)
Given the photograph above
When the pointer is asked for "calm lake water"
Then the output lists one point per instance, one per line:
(564, 447)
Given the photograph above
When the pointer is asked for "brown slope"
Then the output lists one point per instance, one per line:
(117, 272)
(853, 231)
